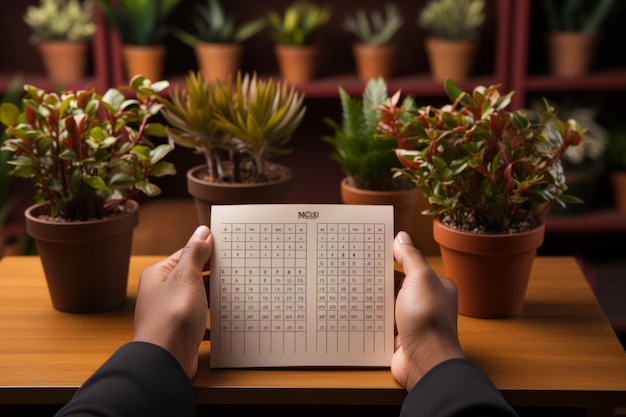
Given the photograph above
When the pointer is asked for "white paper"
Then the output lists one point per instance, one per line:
(302, 285)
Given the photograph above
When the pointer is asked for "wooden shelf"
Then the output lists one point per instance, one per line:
(606, 220)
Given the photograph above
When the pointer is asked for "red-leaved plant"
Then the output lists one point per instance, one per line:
(482, 167)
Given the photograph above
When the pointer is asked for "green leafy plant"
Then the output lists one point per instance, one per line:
(87, 153)
(453, 19)
(213, 25)
(61, 20)
(367, 159)
(482, 167)
(576, 15)
(299, 23)
(377, 28)
(245, 123)
(140, 22)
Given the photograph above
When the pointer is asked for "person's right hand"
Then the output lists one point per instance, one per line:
(426, 317)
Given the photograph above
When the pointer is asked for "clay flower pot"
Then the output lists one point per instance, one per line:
(145, 60)
(404, 202)
(374, 61)
(571, 53)
(491, 271)
(450, 59)
(218, 60)
(65, 62)
(297, 63)
(85, 263)
(207, 193)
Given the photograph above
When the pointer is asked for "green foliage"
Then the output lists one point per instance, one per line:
(87, 153)
(61, 20)
(377, 28)
(7, 201)
(363, 156)
(140, 22)
(244, 124)
(453, 19)
(480, 165)
(576, 15)
(299, 24)
(214, 26)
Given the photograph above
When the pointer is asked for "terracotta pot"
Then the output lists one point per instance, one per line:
(65, 62)
(85, 263)
(618, 179)
(218, 60)
(404, 202)
(571, 53)
(296, 63)
(207, 193)
(491, 272)
(145, 60)
(450, 59)
(374, 61)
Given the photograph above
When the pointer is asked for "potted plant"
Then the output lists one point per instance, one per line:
(367, 160)
(573, 27)
(142, 27)
(62, 30)
(238, 128)
(294, 32)
(218, 41)
(454, 27)
(489, 174)
(374, 51)
(88, 155)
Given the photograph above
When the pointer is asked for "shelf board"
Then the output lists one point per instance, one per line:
(601, 80)
(605, 220)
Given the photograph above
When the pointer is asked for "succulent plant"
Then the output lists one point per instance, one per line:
(87, 153)
(140, 22)
(246, 123)
(376, 28)
(299, 23)
(453, 19)
(363, 156)
(213, 25)
(577, 15)
(482, 167)
(61, 20)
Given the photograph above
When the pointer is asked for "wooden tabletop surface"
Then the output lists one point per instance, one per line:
(560, 351)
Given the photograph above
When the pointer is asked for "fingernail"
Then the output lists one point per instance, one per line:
(403, 237)
(202, 232)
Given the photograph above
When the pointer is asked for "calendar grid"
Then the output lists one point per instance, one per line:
(288, 288)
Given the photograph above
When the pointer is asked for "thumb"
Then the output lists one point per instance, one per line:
(197, 251)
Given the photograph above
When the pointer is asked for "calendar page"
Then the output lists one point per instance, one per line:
(302, 285)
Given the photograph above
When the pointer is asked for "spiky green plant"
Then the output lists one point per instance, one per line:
(61, 20)
(364, 157)
(140, 22)
(213, 25)
(453, 19)
(576, 15)
(377, 28)
(299, 23)
(245, 124)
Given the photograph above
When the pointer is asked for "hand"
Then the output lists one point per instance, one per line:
(172, 306)
(426, 317)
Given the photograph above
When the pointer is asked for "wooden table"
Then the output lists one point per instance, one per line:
(561, 351)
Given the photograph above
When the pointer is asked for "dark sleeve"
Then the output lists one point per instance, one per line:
(139, 379)
(456, 387)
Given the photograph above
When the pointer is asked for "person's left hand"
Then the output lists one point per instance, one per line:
(172, 306)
